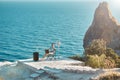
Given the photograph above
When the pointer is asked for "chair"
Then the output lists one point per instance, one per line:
(49, 54)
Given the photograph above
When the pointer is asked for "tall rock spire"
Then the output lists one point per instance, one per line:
(104, 26)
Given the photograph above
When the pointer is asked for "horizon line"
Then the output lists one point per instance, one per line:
(52, 0)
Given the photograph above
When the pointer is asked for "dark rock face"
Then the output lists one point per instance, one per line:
(104, 26)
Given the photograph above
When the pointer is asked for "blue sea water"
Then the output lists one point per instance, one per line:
(26, 26)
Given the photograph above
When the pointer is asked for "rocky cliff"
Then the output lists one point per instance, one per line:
(104, 26)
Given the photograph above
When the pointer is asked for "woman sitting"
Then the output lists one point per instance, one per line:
(51, 51)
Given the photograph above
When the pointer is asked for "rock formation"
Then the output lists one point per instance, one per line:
(104, 26)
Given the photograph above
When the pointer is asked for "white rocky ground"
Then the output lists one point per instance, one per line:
(11, 71)
(69, 70)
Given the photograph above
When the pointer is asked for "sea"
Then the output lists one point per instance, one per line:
(27, 27)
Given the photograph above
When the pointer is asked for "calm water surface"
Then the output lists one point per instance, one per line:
(26, 26)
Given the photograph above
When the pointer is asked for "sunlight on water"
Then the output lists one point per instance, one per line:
(28, 27)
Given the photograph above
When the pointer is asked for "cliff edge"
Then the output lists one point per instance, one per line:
(104, 26)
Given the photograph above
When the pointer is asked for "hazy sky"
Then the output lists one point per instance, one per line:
(54, 0)
(113, 3)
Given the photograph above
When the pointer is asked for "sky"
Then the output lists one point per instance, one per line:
(64, 0)
(51, 0)
(113, 3)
